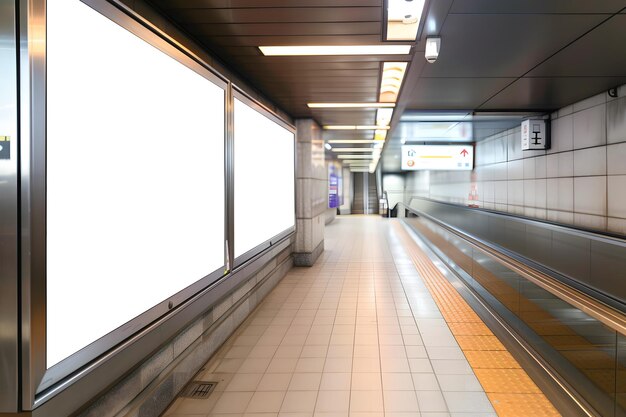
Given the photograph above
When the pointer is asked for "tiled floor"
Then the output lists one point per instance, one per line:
(357, 335)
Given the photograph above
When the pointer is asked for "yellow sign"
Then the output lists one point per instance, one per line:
(5, 138)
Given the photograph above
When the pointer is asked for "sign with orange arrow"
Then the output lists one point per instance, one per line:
(437, 157)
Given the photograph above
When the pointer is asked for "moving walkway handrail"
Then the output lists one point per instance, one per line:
(606, 314)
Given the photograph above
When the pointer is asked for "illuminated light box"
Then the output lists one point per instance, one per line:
(135, 179)
(437, 157)
(264, 178)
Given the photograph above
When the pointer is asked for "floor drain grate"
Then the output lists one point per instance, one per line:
(198, 389)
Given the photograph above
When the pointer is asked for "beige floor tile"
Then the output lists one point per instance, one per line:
(366, 351)
(425, 382)
(244, 382)
(305, 382)
(232, 402)
(262, 352)
(333, 401)
(340, 351)
(400, 401)
(266, 402)
(274, 382)
(365, 365)
(370, 381)
(338, 365)
(397, 381)
(314, 351)
(310, 365)
(286, 351)
(254, 365)
(391, 364)
(335, 381)
(282, 365)
(299, 402)
(366, 401)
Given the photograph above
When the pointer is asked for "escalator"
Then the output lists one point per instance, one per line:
(365, 194)
(556, 293)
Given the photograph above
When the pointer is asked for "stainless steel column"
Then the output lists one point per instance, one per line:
(9, 146)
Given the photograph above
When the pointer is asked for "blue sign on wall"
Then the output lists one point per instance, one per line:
(333, 188)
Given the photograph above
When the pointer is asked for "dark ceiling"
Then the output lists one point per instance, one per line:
(495, 54)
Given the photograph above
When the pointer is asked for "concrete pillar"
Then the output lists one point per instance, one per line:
(311, 198)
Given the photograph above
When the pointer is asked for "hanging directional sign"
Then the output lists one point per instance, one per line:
(437, 157)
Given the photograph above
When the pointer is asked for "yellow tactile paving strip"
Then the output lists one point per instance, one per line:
(596, 364)
(509, 388)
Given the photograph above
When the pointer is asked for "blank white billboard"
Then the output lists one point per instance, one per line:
(437, 157)
(264, 178)
(135, 177)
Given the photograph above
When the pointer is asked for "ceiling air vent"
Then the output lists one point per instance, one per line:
(198, 389)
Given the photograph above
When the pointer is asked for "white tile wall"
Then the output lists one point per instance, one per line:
(515, 170)
(616, 120)
(590, 161)
(590, 127)
(590, 195)
(617, 196)
(616, 159)
(580, 180)
(562, 134)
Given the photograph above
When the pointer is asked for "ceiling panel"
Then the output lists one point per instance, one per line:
(494, 45)
(235, 4)
(454, 93)
(254, 41)
(550, 93)
(287, 14)
(602, 52)
(537, 6)
(285, 29)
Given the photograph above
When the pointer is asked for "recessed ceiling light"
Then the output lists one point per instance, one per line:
(351, 141)
(356, 162)
(353, 127)
(303, 50)
(380, 135)
(353, 149)
(391, 81)
(350, 105)
(327, 146)
(354, 156)
(383, 117)
(403, 19)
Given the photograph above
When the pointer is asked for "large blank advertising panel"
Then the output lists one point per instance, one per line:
(437, 157)
(135, 177)
(264, 178)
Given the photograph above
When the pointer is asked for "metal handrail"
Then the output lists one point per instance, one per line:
(606, 236)
(606, 314)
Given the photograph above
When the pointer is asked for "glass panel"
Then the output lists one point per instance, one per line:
(264, 178)
(135, 177)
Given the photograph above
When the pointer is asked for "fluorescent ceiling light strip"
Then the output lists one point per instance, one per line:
(352, 141)
(353, 149)
(350, 105)
(357, 127)
(304, 50)
(403, 19)
(383, 117)
(391, 80)
(354, 156)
